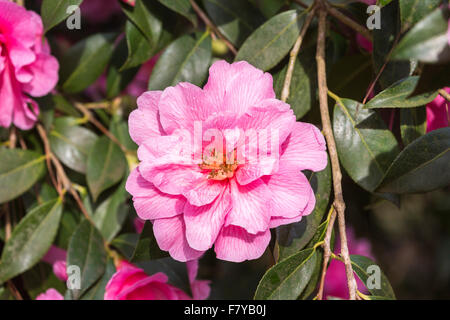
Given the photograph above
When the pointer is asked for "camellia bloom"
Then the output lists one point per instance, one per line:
(26, 66)
(438, 115)
(132, 283)
(223, 197)
(50, 294)
(336, 279)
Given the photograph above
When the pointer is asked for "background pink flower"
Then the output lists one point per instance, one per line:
(26, 66)
(50, 294)
(132, 283)
(438, 115)
(57, 258)
(194, 206)
(336, 278)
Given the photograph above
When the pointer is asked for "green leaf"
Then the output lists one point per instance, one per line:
(288, 278)
(411, 11)
(126, 243)
(106, 165)
(427, 41)
(53, 12)
(366, 147)
(397, 96)
(86, 250)
(69, 222)
(144, 16)
(294, 237)
(182, 7)
(186, 59)
(40, 278)
(71, 143)
(383, 41)
(147, 248)
(413, 124)
(30, 239)
(270, 43)
(302, 93)
(19, 171)
(97, 291)
(139, 48)
(111, 213)
(236, 19)
(361, 266)
(84, 63)
(424, 165)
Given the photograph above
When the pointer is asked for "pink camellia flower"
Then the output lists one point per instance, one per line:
(225, 197)
(26, 66)
(50, 294)
(132, 283)
(57, 258)
(438, 115)
(336, 278)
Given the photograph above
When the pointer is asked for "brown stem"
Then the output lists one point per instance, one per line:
(48, 157)
(88, 114)
(212, 26)
(339, 203)
(293, 56)
(349, 22)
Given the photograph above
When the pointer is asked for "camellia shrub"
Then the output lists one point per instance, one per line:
(147, 146)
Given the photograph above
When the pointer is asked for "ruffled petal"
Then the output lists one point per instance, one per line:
(144, 122)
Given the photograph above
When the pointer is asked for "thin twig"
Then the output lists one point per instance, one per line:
(339, 203)
(326, 250)
(349, 22)
(48, 158)
(88, 114)
(293, 56)
(212, 26)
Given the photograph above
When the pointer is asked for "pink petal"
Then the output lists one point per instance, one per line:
(204, 191)
(170, 234)
(438, 115)
(200, 288)
(250, 206)
(59, 269)
(45, 75)
(304, 148)
(50, 294)
(238, 86)
(149, 202)
(26, 113)
(290, 192)
(144, 122)
(236, 245)
(203, 223)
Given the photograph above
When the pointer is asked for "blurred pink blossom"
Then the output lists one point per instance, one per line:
(26, 66)
(57, 258)
(50, 294)
(438, 115)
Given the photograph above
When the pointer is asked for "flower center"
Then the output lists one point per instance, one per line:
(219, 168)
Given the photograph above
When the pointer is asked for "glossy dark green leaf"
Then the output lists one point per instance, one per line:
(147, 248)
(302, 94)
(182, 7)
(398, 96)
(361, 266)
(433, 77)
(84, 63)
(365, 145)
(270, 43)
(71, 143)
(383, 41)
(30, 239)
(294, 237)
(86, 250)
(185, 59)
(236, 19)
(288, 278)
(427, 41)
(106, 165)
(411, 11)
(119, 128)
(111, 213)
(19, 171)
(54, 12)
(139, 48)
(413, 124)
(40, 278)
(424, 165)
(144, 15)
(69, 222)
(97, 291)
(126, 243)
